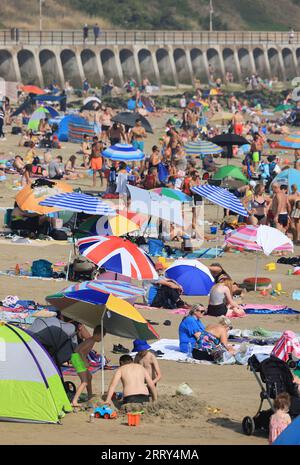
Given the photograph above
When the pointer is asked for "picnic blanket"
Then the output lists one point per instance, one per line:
(265, 309)
(12, 274)
(170, 349)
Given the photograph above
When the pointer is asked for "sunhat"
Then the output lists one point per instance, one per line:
(139, 345)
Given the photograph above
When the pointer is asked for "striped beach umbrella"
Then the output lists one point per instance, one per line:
(221, 197)
(78, 202)
(172, 194)
(260, 239)
(202, 147)
(36, 117)
(123, 152)
(119, 255)
(192, 275)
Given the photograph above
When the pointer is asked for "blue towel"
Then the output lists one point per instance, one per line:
(284, 311)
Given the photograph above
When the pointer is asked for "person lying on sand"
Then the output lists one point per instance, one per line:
(135, 379)
(81, 364)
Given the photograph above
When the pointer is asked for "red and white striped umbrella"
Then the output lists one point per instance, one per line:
(259, 238)
(119, 255)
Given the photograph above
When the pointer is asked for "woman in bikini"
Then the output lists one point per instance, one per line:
(259, 206)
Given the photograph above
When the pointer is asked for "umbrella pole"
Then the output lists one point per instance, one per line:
(256, 272)
(74, 229)
(68, 268)
(102, 356)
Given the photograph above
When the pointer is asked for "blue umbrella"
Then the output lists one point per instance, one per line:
(77, 202)
(53, 113)
(123, 152)
(288, 178)
(193, 276)
(290, 436)
(221, 197)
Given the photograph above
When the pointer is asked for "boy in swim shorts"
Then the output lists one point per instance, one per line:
(81, 364)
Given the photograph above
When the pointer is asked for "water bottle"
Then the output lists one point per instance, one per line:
(189, 355)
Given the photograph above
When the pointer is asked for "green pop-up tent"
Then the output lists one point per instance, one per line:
(34, 122)
(30, 385)
(230, 171)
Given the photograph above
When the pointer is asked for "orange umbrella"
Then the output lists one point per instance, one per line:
(29, 197)
(33, 90)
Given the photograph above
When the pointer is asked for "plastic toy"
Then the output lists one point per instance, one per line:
(104, 411)
(270, 267)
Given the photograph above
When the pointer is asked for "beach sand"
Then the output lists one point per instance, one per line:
(223, 394)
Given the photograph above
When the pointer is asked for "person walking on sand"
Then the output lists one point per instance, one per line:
(96, 160)
(135, 379)
(146, 359)
(281, 208)
(81, 364)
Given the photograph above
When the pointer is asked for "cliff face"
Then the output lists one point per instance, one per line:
(152, 14)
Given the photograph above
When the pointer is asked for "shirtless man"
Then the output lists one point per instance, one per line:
(294, 199)
(138, 133)
(237, 122)
(281, 208)
(135, 380)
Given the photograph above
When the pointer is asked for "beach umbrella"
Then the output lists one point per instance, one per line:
(129, 119)
(192, 275)
(94, 306)
(52, 112)
(230, 171)
(172, 194)
(92, 98)
(154, 205)
(80, 203)
(202, 147)
(123, 152)
(290, 435)
(29, 198)
(260, 239)
(288, 178)
(221, 116)
(36, 117)
(291, 142)
(228, 140)
(119, 255)
(33, 90)
(91, 105)
(118, 225)
(221, 197)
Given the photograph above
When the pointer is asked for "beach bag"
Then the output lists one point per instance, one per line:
(42, 268)
(155, 247)
(163, 172)
(59, 235)
(15, 130)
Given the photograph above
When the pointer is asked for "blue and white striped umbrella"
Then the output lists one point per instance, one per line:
(81, 203)
(123, 152)
(202, 147)
(221, 197)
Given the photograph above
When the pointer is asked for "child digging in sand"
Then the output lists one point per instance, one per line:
(81, 364)
(146, 359)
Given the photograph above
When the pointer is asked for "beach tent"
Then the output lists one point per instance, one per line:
(230, 171)
(48, 98)
(77, 127)
(30, 384)
(288, 178)
(63, 129)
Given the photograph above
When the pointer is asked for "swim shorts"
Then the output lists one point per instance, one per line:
(136, 399)
(78, 363)
(255, 157)
(283, 219)
(238, 129)
(96, 164)
(138, 145)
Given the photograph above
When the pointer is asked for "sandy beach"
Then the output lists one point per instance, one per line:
(223, 395)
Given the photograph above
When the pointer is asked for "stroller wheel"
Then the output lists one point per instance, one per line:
(248, 426)
(70, 387)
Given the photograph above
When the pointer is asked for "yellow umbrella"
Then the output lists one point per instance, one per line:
(221, 116)
(29, 197)
(111, 225)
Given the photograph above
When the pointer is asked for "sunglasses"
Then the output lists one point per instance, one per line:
(203, 312)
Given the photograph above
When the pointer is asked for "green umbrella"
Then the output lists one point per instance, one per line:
(34, 122)
(230, 171)
(283, 107)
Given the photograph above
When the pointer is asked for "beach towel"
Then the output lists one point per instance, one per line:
(70, 371)
(266, 309)
(288, 345)
(209, 253)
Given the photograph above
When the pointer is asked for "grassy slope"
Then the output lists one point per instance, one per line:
(152, 14)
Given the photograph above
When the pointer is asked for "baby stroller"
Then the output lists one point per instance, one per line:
(275, 374)
(59, 339)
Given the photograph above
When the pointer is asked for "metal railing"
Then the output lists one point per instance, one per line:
(13, 37)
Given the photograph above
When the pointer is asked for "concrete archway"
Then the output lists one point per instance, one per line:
(90, 67)
(27, 67)
(70, 68)
(146, 66)
(7, 70)
(198, 65)
(229, 62)
(48, 66)
(181, 66)
(214, 62)
(164, 66)
(245, 63)
(110, 70)
(260, 62)
(274, 61)
(128, 64)
(289, 66)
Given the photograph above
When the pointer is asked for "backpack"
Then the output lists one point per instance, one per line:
(42, 268)
(59, 235)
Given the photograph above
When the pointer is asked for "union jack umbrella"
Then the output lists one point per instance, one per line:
(119, 255)
(287, 345)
